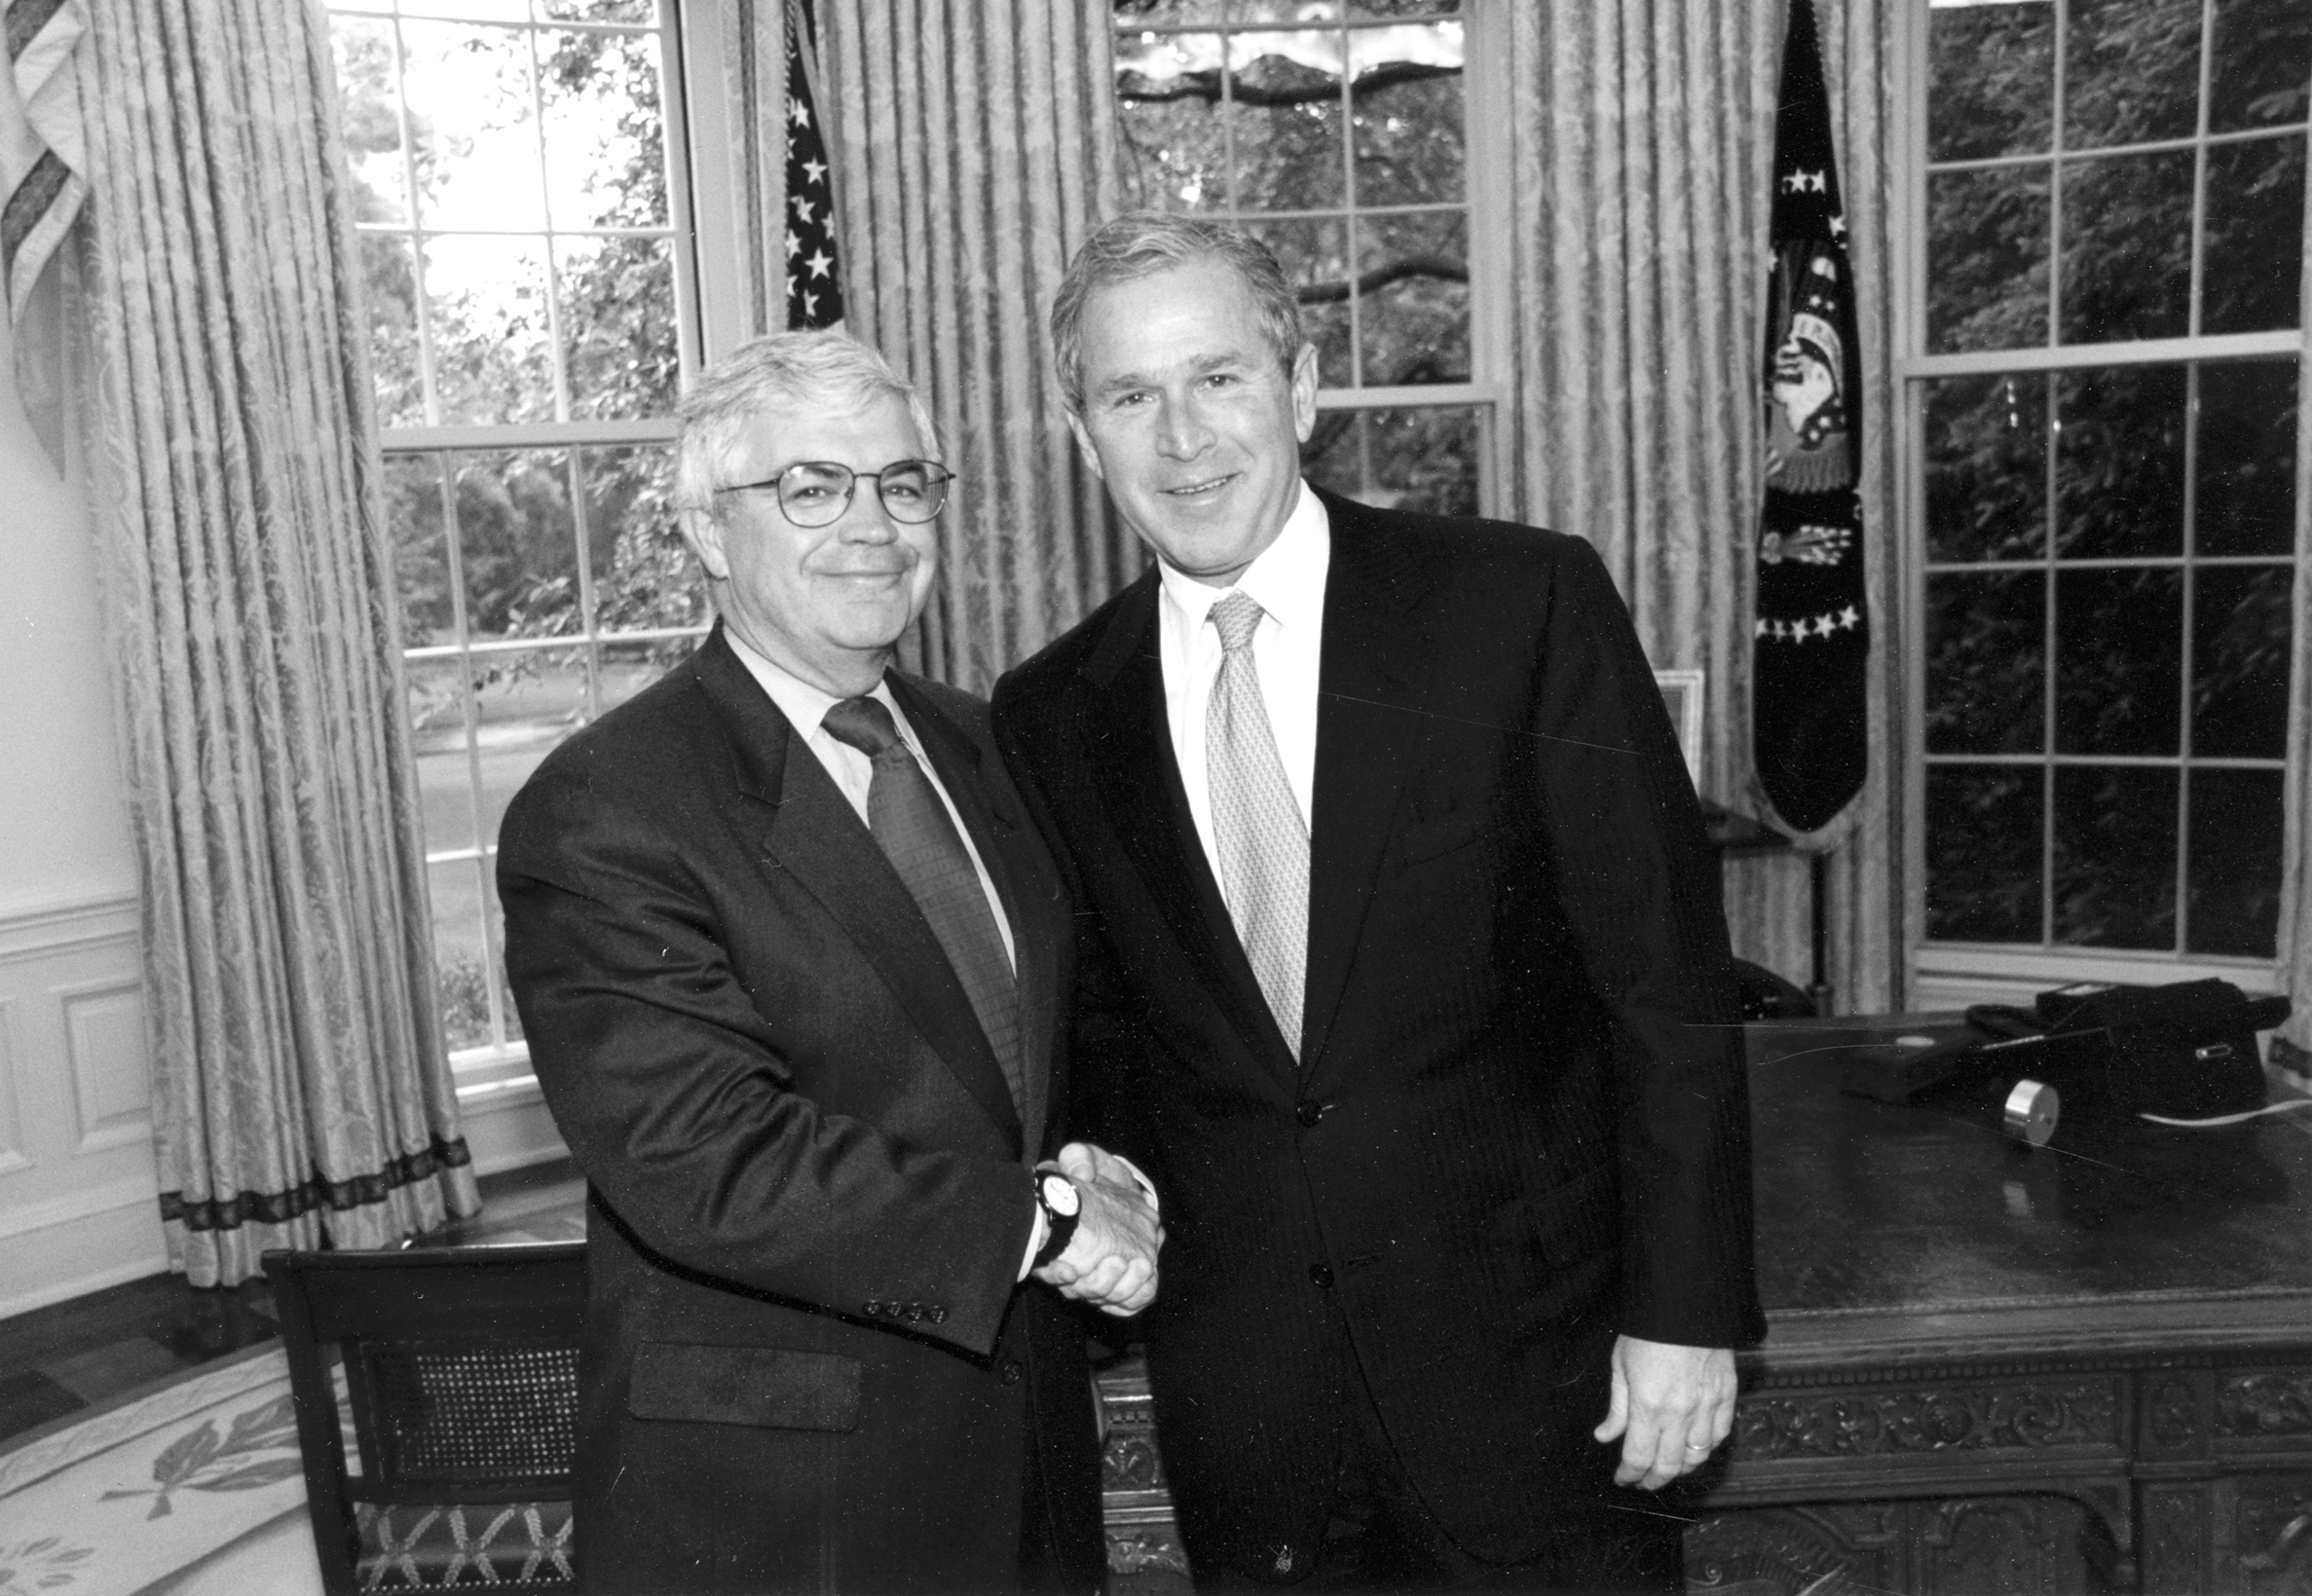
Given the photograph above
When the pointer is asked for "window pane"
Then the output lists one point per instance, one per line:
(606, 150)
(389, 289)
(2240, 630)
(1393, 8)
(474, 126)
(2118, 660)
(1986, 662)
(1411, 459)
(494, 928)
(2245, 493)
(1132, 12)
(438, 702)
(1986, 467)
(461, 953)
(2256, 236)
(518, 539)
(1986, 259)
(629, 667)
(369, 101)
(422, 572)
(1990, 80)
(1287, 89)
(2115, 858)
(1406, 93)
(1168, 112)
(2235, 850)
(599, 11)
(1414, 313)
(618, 314)
(525, 702)
(1983, 853)
(1315, 256)
(2119, 462)
(2263, 63)
(2127, 248)
(2131, 71)
(493, 355)
(644, 576)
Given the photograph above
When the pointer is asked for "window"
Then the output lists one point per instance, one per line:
(527, 265)
(1339, 135)
(2102, 444)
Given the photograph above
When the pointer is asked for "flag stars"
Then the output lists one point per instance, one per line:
(814, 171)
(820, 263)
(798, 113)
(1809, 628)
(1806, 182)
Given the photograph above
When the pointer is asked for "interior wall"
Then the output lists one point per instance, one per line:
(77, 1180)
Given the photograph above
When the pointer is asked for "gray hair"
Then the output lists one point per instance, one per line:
(1142, 243)
(824, 370)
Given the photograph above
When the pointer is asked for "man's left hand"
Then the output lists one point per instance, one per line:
(1671, 1406)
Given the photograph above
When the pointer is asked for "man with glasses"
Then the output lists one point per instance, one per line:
(790, 958)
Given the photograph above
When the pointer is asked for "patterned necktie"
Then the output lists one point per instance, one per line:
(912, 826)
(1263, 842)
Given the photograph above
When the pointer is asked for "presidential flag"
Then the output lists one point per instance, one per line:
(42, 156)
(1811, 638)
(815, 281)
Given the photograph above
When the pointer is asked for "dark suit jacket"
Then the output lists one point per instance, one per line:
(807, 1366)
(1519, 1124)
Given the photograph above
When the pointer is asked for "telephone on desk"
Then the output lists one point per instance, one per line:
(2097, 1053)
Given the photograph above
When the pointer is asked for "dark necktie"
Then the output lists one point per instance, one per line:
(910, 825)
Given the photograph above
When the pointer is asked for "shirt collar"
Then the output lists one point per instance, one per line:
(802, 704)
(1287, 580)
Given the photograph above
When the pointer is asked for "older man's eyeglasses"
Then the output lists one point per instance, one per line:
(815, 492)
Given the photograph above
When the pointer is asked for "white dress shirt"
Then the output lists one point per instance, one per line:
(805, 708)
(1288, 583)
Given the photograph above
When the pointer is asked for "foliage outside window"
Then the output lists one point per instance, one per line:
(527, 302)
(1334, 131)
(2105, 424)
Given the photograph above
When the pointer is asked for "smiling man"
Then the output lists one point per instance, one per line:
(1401, 969)
(790, 959)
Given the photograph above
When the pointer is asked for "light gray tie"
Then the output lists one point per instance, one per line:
(1263, 841)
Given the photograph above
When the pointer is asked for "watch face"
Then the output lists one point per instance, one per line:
(1061, 1195)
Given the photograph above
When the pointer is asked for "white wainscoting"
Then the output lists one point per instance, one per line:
(77, 1180)
(79, 1189)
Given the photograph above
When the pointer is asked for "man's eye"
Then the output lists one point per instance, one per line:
(1219, 379)
(905, 493)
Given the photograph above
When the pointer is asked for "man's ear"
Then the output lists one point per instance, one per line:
(702, 530)
(1304, 392)
(1075, 424)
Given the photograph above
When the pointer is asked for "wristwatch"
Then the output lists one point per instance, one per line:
(1063, 1205)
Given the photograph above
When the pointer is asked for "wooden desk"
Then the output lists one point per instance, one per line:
(1987, 1369)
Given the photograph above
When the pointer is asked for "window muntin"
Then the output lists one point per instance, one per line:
(520, 223)
(1338, 135)
(2104, 433)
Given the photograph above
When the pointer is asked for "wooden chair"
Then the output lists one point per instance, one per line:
(460, 1376)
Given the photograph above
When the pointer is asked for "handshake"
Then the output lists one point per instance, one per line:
(1110, 1261)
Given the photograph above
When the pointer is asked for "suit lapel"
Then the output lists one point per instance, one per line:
(813, 834)
(1008, 847)
(1128, 741)
(1370, 711)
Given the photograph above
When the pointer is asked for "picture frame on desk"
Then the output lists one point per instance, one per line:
(1682, 696)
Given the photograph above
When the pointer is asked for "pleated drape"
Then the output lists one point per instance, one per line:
(2294, 964)
(300, 1084)
(975, 148)
(1641, 148)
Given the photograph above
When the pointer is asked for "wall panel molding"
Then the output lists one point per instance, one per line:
(112, 1095)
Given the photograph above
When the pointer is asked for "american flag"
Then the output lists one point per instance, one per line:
(815, 281)
(42, 156)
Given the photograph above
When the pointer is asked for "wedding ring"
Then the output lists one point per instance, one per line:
(1690, 1447)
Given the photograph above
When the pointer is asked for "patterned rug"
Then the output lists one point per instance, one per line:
(190, 1488)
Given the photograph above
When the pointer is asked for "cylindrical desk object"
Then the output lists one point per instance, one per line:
(2031, 1112)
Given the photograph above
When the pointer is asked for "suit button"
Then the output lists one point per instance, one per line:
(1008, 1371)
(1309, 1113)
(939, 1315)
(1320, 1274)
(915, 1312)
(873, 1308)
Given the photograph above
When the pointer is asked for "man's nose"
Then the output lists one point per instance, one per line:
(1182, 433)
(865, 520)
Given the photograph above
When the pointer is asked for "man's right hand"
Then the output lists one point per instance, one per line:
(1110, 1261)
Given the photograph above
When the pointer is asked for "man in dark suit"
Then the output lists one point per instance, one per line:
(790, 958)
(1403, 975)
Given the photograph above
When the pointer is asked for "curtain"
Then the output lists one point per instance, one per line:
(1641, 143)
(2294, 1047)
(300, 1087)
(974, 148)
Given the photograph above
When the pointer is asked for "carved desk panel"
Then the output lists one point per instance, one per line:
(1988, 1368)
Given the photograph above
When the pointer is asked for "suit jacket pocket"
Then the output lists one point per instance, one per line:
(1578, 1219)
(763, 1386)
(1434, 836)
